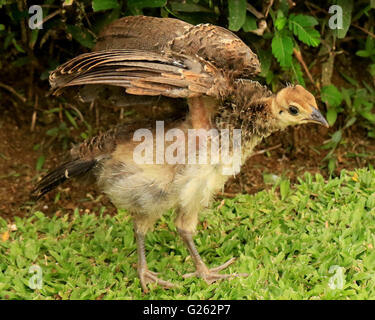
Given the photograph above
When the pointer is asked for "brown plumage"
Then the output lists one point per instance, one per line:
(163, 56)
(147, 190)
(211, 43)
(166, 57)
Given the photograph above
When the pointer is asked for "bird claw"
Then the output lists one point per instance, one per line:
(147, 276)
(212, 275)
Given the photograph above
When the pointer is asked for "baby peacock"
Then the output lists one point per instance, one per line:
(169, 58)
(147, 190)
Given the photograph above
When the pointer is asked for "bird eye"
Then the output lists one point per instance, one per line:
(293, 110)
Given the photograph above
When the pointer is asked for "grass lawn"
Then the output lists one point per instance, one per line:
(314, 241)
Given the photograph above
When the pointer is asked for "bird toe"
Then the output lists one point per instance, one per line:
(146, 277)
(212, 275)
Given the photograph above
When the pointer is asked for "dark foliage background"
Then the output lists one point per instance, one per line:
(309, 237)
(292, 39)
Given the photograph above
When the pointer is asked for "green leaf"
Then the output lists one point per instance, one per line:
(350, 122)
(40, 162)
(352, 81)
(237, 14)
(284, 188)
(284, 6)
(188, 7)
(368, 116)
(40, 215)
(8, 40)
(331, 116)
(372, 69)
(17, 46)
(336, 137)
(365, 53)
(85, 38)
(34, 37)
(140, 4)
(331, 95)
(347, 8)
(302, 27)
(250, 23)
(305, 20)
(298, 74)
(101, 5)
(21, 61)
(265, 61)
(71, 119)
(52, 132)
(270, 76)
(282, 48)
(31, 250)
(331, 165)
(280, 21)
(370, 43)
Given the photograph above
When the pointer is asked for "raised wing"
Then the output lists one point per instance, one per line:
(141, 32)
(212, 43)
(143, 73)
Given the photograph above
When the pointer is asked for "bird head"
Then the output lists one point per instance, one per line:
(295, 105)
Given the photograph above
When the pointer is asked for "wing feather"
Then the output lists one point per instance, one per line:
(171, 75)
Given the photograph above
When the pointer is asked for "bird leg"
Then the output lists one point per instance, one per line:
(145, 275)
(209, 275)
(201, 110)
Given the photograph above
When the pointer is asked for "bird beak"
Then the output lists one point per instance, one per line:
(317, 117)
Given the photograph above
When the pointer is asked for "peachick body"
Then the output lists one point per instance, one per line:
(203, 64)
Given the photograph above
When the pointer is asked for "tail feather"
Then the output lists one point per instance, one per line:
(71, 169)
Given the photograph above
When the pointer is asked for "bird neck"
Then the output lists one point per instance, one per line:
(250, 110)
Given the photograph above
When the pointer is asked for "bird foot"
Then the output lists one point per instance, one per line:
(212, 275)
(146, 276)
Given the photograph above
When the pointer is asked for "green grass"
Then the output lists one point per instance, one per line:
(287, 246)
